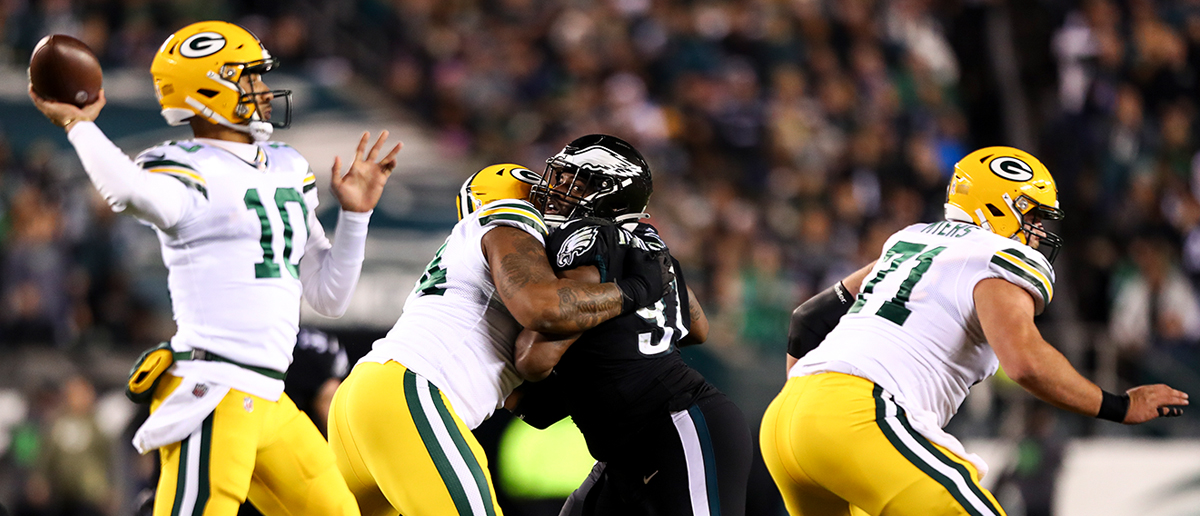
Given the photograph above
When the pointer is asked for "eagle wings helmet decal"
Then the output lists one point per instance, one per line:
(577, 244)
(597, 158)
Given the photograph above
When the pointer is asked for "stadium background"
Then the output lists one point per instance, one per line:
(788, 139)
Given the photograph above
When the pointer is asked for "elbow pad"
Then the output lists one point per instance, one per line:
(815, 318)
(542, 403)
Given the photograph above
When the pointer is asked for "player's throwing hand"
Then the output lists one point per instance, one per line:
(1148, 402)
(65, 115)
(362, 185)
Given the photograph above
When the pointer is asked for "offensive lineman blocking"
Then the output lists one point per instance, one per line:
(400, 425)
(858, 426)
(236, 217)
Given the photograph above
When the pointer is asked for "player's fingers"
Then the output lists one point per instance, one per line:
(391, 156)
(93, 110)
(387, 166)
(336, 174)
(378, 146)
(1169, 411)
(362, 146)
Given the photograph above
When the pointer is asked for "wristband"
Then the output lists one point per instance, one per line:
(1113, 407)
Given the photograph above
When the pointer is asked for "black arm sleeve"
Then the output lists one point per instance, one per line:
(815, 318)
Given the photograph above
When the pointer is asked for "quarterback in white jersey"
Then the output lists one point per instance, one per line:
(943, 306)
(400, 425)
(236, 217)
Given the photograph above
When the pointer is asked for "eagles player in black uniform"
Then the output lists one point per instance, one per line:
(666, 441)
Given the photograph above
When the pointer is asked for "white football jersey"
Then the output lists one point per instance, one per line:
(233, 259)
(913, 329)
(455, 331)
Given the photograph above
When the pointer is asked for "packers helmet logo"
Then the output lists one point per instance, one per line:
(526, 176)
(203, 44)
(1011, 168)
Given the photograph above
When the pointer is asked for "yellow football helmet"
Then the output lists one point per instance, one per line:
(196, 72)
(502, 181)
(995, 187)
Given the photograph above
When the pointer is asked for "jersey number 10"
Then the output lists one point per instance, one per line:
(894, 309)
(268, 268)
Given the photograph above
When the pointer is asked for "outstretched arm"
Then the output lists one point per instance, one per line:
(155, 198)
(330, 271)
(815, 318)
(1006, 314)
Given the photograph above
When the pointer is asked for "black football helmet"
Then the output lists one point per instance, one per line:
(594, 176)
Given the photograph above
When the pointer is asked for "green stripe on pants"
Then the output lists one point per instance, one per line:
(181, 478)
(481, 479)
(880, 419)
(445, 469)
(202, 481)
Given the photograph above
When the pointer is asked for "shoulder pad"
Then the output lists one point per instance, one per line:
(513, 212)
(174, 159)
(278, 145)
(582, 242)
(572, 246)
(310, 181)
(1026, 268)
(649, 235)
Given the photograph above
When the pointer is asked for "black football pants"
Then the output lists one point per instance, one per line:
(694, 462)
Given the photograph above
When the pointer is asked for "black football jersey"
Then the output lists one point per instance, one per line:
(628, 368)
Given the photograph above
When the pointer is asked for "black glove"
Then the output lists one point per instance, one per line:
(648, 277)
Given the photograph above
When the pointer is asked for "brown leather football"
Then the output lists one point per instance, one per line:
(62, 68)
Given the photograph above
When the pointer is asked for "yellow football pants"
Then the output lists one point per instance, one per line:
(402, 449)
(250, 447)
(837, 445)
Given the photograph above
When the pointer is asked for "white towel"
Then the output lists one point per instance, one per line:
(179, 415)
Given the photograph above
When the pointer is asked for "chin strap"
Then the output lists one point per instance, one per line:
(258, 130)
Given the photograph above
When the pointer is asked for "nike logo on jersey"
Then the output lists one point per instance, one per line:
(646, 480)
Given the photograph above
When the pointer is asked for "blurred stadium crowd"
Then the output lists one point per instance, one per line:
(788, 140)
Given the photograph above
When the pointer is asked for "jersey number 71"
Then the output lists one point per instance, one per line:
(894, 309)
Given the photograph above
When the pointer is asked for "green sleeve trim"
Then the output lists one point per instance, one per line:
(513, 217)
(188, 182)
(165, 163)
(1025, 276)
(1032, 263)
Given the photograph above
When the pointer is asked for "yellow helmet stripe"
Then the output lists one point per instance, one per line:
(1026, 271)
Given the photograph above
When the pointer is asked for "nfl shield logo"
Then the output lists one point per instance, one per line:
(199, 390)
(248, 404)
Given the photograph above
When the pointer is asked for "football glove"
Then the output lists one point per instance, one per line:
(648, 276)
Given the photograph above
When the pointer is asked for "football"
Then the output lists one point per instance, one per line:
(64, 69)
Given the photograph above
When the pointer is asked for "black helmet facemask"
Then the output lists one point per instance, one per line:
(594, 176)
